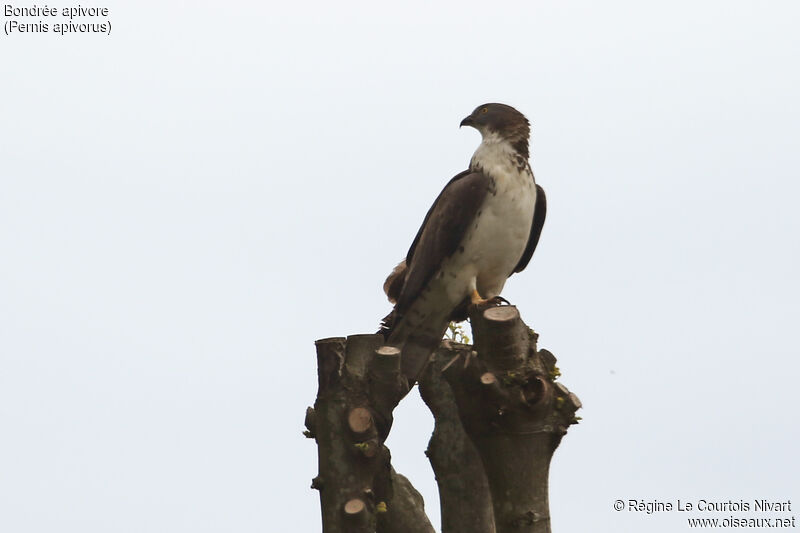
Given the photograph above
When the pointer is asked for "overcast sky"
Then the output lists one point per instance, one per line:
(188, 203)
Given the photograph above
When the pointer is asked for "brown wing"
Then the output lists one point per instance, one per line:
(442, 231)
(539, 213)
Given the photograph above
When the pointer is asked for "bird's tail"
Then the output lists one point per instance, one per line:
(416, 344)
(387, 324)
(415, 355)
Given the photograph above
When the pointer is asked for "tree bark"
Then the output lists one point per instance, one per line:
(406, 512)
(464, 498)
(359, 386)
(515, 414)
(499, 412)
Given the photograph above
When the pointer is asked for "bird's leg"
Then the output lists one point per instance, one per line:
(477, 301)
(476, 298)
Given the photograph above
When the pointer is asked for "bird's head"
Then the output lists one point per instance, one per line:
(503, 121)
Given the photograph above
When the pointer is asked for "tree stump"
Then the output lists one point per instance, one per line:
(359, 386)
(499, 412)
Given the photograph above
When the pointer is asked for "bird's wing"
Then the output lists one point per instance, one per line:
(442, 231)
(539, 213)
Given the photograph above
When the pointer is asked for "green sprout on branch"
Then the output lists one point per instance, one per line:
(455, 332)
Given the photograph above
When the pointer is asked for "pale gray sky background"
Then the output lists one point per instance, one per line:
(188, 203)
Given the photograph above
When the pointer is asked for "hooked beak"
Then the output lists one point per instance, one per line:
(466, 122)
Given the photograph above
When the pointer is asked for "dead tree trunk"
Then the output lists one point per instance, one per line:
(499, 415)
(359, 386)
(464, 497)
(514, 413)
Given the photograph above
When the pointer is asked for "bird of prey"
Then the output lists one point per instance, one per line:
(483, 227)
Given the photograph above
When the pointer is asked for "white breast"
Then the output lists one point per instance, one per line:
(497, 241)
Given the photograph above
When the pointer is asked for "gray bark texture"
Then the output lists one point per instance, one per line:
(359, 386)
(499, 416)
(464, 498)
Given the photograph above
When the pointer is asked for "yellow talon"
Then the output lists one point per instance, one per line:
(476, 299)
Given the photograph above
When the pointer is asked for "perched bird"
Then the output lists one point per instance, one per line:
(483, 227)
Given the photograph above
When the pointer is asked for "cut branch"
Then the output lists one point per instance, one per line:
(499, 415)
(515, 414)
(359, 386)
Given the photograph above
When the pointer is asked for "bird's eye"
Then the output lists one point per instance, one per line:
(484, 110)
